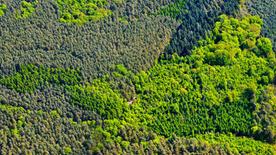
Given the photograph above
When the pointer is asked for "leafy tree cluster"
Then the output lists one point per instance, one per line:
(173, 10)
(75, 11)
(26, 8)
(236, 145)
(215, 89)
(28, 78)
(3, 8)
(100, 98)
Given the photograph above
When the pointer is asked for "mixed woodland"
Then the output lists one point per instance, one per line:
(137, 77)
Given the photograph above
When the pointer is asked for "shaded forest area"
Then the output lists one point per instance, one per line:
(197, 17)
(148, 77)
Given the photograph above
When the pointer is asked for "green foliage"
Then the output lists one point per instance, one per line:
(28, 78)
(264, 10)
(264, 45)
(79, 12)
(124, 21)
(226, 84)
(100, 98)
(122, 80)
(3, 8)
(15, 133)
(265, 122)
(54, 114)
(111, 136)
(237, 145)
(216, 88)
(42, 39)
(26, 8)
(174, 10)
(67, 150)
(11, 109)
(197, 18)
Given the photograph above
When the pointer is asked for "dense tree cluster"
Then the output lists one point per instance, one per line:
(100, 98)
(225, 86)
(78, 79)
(134, 35)
(28, 78)
(216, 88)
(3, 8)
(128, 37)
(26, 9)
(29, 132)
(74, 11)
(173, 10)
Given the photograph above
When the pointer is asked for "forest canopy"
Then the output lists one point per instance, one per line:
(79, 12)
(137, 77)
